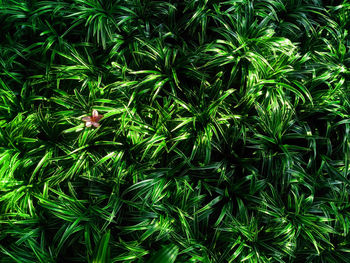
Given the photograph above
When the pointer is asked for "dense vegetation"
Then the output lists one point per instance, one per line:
(225, 135)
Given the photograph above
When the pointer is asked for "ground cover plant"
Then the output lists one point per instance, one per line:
(174, 131)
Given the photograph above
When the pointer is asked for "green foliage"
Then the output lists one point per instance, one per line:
(225, 135)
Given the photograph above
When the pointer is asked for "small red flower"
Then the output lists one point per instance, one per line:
(93, 120)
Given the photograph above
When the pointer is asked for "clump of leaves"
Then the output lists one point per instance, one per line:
(225, 134)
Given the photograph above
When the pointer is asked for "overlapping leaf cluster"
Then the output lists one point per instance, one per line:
(225, 137)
